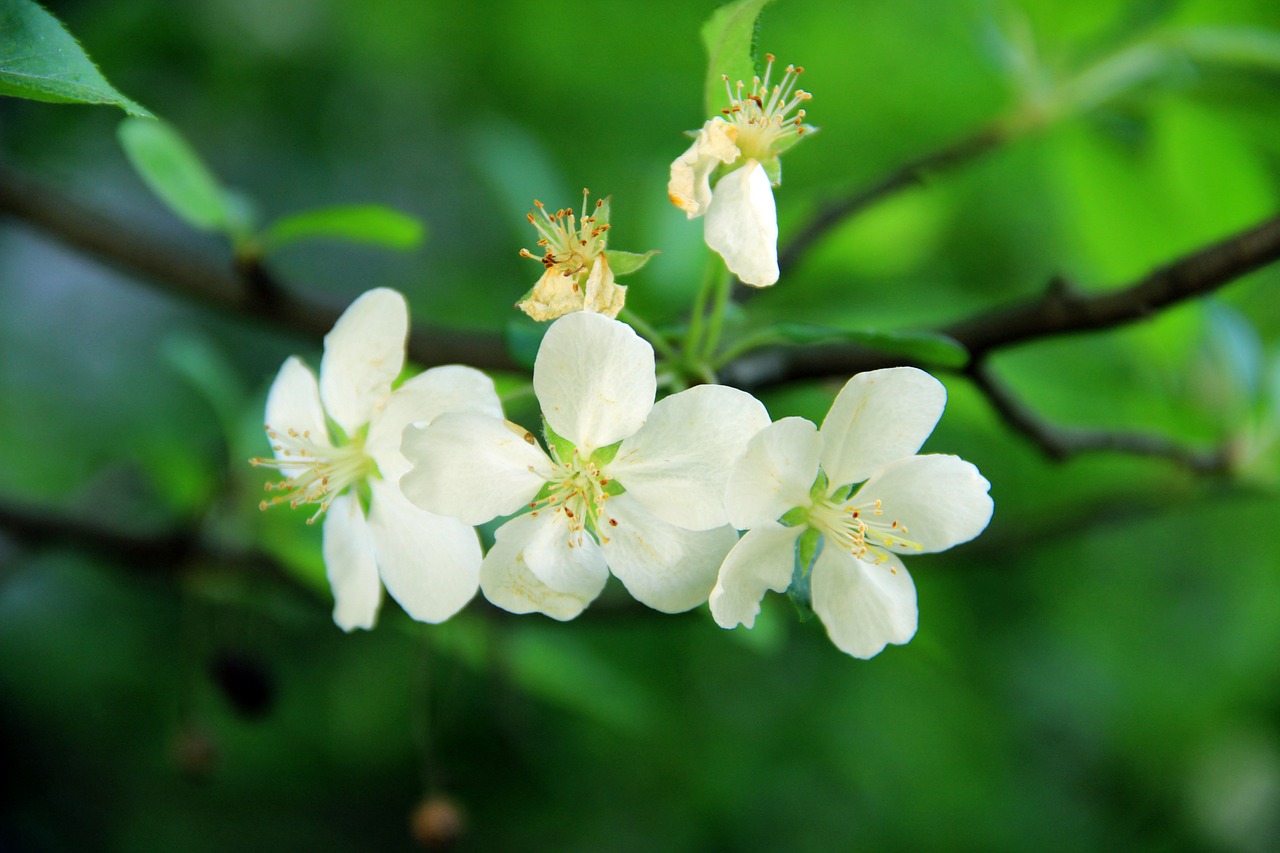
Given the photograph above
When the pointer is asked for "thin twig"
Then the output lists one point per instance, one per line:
(1061, 443)
(245, 288)
(914, 173)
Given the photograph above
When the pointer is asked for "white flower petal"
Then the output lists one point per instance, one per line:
(677, 465)
(742, 225)
(863, 605)
(505, 579)
(603, 296)
(942, 500)
(293, 405)
(472, 467)
(595, 379)
(562, 559)
(421, 400)
(349, 563)
(879, 417)
(690, 185)
(764, 559)
(430, 564)
(774, 474)
(661, 565)
(362, 357)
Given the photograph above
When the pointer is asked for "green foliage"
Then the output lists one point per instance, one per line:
(40, 60)
(729, 36)
(355, 223)
(176, 174)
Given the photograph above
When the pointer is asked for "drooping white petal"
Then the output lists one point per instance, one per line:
(878, 417)
(349, 562)
(472, 467)
(661, 565)
(507, 582)
(434, 392)
(678, 463)
(742, 225)
(362, 356)
(564, 560)
(602, 295)
(942, 500)
(690, 185)
(293, 405)
(764, 559)
(595, 379)
(430, 564)
(863, 605)
(774, 474)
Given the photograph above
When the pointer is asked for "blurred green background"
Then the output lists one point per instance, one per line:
(1100, 670)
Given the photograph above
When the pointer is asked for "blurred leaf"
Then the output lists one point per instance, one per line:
(356, 223)
(523, 337)
(623, 263)
(176, 174)
(1246, 47)
(926, 347)
(44, 62)
(730, 38)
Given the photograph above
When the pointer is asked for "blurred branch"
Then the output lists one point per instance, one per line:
(1061, 443)
(834, 213)
(246, 288)
(161, 554)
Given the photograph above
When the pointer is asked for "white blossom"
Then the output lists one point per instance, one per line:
(743, 146)
(337, 441)
(626, 485)
(859, 486)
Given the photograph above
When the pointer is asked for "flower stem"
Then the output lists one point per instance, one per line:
(723, 283)
(652, 335)
(693, 338)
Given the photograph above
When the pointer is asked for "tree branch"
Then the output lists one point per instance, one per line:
(914, 173)
(1061, 443)
(1060, 310)
(244, 288)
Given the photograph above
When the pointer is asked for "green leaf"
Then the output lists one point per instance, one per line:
(627, 262)
(355, 223)
(1246, 47)
(175, 173)
(44, 62)
(925, 347)
(729, 36)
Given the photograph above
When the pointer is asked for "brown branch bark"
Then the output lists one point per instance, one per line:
(247, 289)
(1061, 443)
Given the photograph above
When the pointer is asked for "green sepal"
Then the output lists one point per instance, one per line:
(773, 170)
(794, 517)
(800, 592)
(729, 36)
(613, 488)
(364, 494)
(818, 491)
(543, 493)
(601, 213)
(622, 263)
(844, 492)
(562, 449)
(604, 455)
(786, 143)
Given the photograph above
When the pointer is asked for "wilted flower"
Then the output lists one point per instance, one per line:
(337, 441)
(743, 146)
(627, 484)
(857, 492)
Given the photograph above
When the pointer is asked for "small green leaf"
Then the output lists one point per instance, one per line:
(355, 223)
(925, 347)
(627, 262)
(44, 62)
(729, 36)
(1246, 47)
(175, 173)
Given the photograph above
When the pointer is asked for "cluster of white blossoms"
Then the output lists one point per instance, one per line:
(697, 497)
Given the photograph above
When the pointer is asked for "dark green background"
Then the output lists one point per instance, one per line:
(1100, 670)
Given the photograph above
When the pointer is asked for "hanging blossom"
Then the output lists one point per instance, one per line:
(743, 145)
(337, 442)
(580, 271)
(625, 485)
(798, 485)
